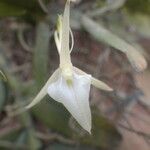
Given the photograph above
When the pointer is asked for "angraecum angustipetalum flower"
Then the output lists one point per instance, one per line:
(68, 84)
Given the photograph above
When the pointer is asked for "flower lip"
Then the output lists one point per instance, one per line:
(75, 97)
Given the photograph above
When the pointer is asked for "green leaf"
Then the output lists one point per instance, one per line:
(101, 34)
(41, 51)
(10, 10)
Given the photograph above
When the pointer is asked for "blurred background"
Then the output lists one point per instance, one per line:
(28, 56)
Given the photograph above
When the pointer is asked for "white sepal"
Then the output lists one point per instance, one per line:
(95, 82)
(43, 91)
(75, 97)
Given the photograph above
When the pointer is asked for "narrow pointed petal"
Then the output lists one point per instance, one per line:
(100, 85)
(43, 91)
(75, 97)
(65, 52)
(95, 82)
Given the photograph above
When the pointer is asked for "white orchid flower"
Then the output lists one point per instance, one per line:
(68, 84)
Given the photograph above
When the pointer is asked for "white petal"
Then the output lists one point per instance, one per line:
(43, 91)
(95, 82)
(74, 97)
